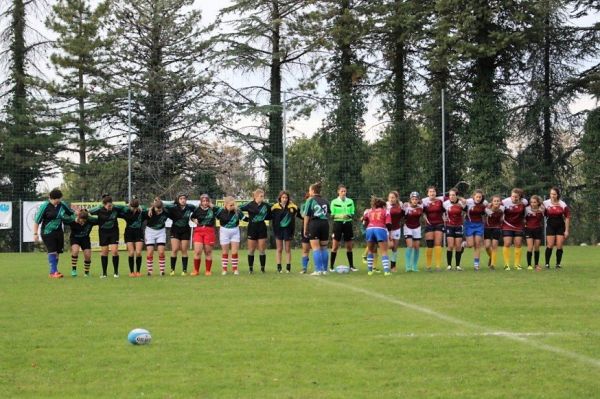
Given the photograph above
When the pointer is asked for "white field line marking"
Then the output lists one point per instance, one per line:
(463, 323)
(486, 334)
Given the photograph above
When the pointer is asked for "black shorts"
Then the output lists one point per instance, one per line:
(454, 231)
(555, 227)
(492, 233)
(181, 233)
(134, 235)
(54, 242)
(283, 233)
(512, 233)
(343, 230)
(83, 242)
(304, 239)
(257, 231)
(434, 227)
(109, 237)
(536, 234)
(318, 229)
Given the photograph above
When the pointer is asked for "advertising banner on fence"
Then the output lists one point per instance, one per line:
(6, 215)
(30, 208)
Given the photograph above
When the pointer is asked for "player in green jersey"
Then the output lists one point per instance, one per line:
(342, 211)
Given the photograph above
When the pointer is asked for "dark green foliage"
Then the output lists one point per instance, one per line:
(590, 146)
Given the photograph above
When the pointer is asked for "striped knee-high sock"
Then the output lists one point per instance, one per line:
(224, 262)
(370, 262)
(161, 263)
(149, 264)
(234, 262)
(74, 261)
(86, 266)
(385, 262)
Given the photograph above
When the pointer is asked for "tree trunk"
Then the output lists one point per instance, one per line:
(547, 128)
(275, 147)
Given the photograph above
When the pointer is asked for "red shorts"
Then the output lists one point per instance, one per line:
(204, 235)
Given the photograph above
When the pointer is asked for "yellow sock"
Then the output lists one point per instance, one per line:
(489, 252)
(506, 255)
(494, 256)
(517, 256)
(428, 257)
(438, 256)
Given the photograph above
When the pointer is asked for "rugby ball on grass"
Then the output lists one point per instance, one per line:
(139, 336)
(342, 269)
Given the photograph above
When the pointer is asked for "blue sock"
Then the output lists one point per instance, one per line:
(385, 261)
(317, 259)
(305, 263)
(53, 261)
(415, 264)
(324, 259)
(476, 262)
(407, 259)
(370, 262)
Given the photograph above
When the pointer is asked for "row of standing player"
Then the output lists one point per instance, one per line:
(483, 224)
(509, 219)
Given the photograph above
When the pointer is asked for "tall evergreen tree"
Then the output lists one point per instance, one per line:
(342, 133)
(590, 146)
(264, 38)
(79, 67)
(157, 52)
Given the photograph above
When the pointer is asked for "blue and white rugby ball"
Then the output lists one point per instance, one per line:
(342, 269)
(139, 336)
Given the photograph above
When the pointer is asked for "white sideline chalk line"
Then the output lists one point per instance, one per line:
(463, 323)
(487, 334)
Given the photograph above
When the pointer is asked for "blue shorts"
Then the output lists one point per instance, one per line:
(473, 229)
(375, 234)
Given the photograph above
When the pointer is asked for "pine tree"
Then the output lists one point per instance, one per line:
(264, 38)
(79, 66)
(156, 53)
(590, 146)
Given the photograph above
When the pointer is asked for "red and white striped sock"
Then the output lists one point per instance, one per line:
(149, 263)
(224, 261)
(234, 262)
(161, 263)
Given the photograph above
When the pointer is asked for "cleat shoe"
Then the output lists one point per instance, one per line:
(387, 274)
(224, 273)
(195, 273)
(103, 276)
(428, 269)
(529, 267)
(55, 275)
(507, 268)
(138, 274)
(376, 270)
(208, 273)
(162, 274)
(315, 274)
(172, 273)
(476, 268)
(132, 275)
(458, 269)
(558, 267)
(353, 269)
(236, 273)
(250, 271)
(370, 273)
(86, 274)
(517, 267)
(115, 275)
(149, 274)
(449, 268)
(492, 268)
(183, 273)
(73, 273)
(538, 268)
(303, 271)
(323, 273)
(331, 270)
(288, 271)
(438, 269)
(547, 266)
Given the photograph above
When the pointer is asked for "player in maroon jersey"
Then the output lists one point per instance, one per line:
(433, 209)
(413, 211)
(534, 230)
(454, 207)
(394, 206)
(492, 233)
(513, 226)
(558, 222)
(474, 224)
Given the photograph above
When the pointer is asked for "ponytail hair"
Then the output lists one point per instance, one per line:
(316, 188)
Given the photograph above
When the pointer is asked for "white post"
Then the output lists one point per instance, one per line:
(21, 226)
(443, 146)
(284, 144)
(129, 145)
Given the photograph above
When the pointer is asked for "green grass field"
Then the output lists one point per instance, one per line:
(442, 335)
